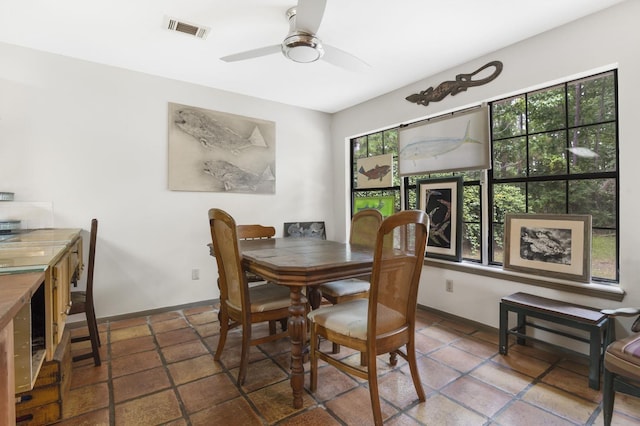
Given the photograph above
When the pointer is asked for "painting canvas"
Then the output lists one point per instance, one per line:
(450, 143)
(220, 152)
(385, 205)
(441, 199)
(374, 172)
(557, 246)
(304, 230)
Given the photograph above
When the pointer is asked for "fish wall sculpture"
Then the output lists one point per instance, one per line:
(460, 84)
(234, 178)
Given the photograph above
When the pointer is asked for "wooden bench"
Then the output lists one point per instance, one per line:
(567, 314)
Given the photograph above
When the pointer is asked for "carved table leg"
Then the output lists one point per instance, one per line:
(297, 333)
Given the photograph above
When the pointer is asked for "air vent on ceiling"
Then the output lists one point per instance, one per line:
(174, 24)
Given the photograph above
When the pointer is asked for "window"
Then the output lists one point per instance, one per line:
(554, 150)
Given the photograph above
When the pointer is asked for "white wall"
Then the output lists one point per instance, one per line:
(602, 41)
(92, 140)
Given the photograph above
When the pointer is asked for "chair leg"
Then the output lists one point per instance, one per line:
(413, 368)
(94, 336)
(373, 389)
(244, 355)
(224, 329)
(313, 359)
(608, 397)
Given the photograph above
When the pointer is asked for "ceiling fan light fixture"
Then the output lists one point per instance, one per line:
(303, 48)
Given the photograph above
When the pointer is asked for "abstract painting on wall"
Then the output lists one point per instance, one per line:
(220, 152)
(449, 143)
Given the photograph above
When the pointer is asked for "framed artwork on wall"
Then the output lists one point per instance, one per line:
(441, 199)
(557, 246)
(220, 152)
(375, 172)
(454, 142)
(385, 205)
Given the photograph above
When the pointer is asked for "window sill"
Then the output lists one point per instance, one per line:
(602, 291)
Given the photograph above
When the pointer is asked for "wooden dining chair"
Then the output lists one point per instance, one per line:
(82, 302)
(385, 321)
(621, 362)
(241, 306)
(364, 229)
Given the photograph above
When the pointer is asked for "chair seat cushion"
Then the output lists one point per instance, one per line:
(342, 288)
(269, 297)
(623, 357)
(350, 318)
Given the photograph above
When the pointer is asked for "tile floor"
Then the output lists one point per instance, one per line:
(159, 369)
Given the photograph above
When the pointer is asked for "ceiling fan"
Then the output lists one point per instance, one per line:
(302, 44)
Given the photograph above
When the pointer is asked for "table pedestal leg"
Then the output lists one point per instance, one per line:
(297, 333)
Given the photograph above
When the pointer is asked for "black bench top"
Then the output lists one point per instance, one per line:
(555, 307)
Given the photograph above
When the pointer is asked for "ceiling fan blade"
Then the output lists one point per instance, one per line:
(342, 59)
(254, 53)
(309, 15)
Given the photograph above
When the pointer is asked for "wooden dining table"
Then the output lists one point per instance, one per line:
(301, 263)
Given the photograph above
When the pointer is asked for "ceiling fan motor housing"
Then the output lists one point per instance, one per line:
(302, 47)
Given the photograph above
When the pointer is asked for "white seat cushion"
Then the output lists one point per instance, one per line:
(350, 318)
(268, 297)
(345, 287)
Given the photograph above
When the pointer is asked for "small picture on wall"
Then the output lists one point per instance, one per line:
(304, 230)
(220, 152)
(385, 205)
(375, 172)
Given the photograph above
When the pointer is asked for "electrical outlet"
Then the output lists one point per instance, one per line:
(449, 285)
(195, 274)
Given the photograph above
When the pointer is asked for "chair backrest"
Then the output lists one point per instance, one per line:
(396, 271)
(232, 280)
(364, 227)
(255, 232)
(92, 260)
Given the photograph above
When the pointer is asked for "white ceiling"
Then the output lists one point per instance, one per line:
(404, 40)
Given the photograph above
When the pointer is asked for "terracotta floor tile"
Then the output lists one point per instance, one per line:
(176, 336)
(487, 336)
(439, 410)
(456, 358)
(522, 414)
(434, 374)
(130, 332)
(561, 403)
(94, 418)
(627, 405)
(172, 324)
(208, 329)
(275, 402)
(87, 375)
(313, 417)
(426, 344)
(131, 322)
(398, 389)
(165, 316)
(522, 363)
(477, 395)
(332, 382)
(140, 361)
(261, 374)
(193, 369)
(183, 351)
(205, 317)
(85, 399)
(132, 346)
(458, 326)
(207, 392)
(476, 347)
(445, 335)
(234, 412)
(573, 383)
(503, 378)
(197, 310)
(149, 410)
(403, 420)
(138, 384)
(354, 407)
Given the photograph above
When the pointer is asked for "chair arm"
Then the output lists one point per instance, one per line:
(623, 312)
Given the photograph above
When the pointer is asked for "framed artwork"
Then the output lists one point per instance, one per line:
(557, 246)
(447, 143)
(374, 172)
(385, 205)
(219, 152)
(441, 199)
(304, 230)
